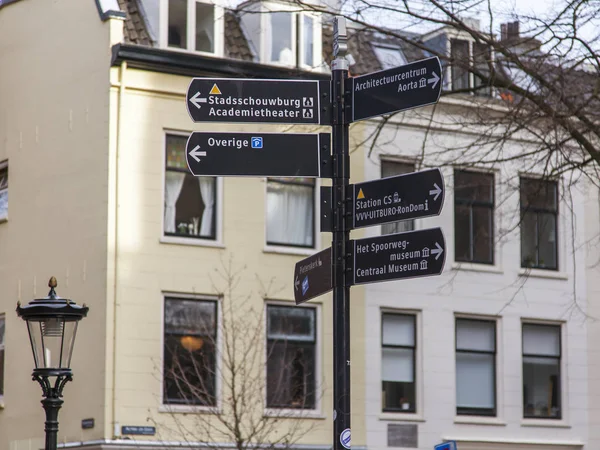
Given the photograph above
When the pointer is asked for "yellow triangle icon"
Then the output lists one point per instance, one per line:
(360, 194)
(215, 90)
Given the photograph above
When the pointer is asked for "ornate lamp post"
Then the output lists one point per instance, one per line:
(52, 325)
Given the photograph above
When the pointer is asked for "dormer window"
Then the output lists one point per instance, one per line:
(283, 37)
(464, 53)
(193, 25)
(389, 57)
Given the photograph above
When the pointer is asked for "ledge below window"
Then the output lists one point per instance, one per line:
(474, 267)
(544, 423)
(541, 273)
(191, 241)
(188, 409)
(401, 417)
(478, 420)
(294, 413)
(283, 250)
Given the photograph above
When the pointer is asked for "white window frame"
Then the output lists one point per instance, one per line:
(168, 408)
(564, 375)
(498, 419)
(315, 413)
(419, 413)
(471, 76)
(219, 27)
(4, 165)
(296, 36)
(289, 249)
(218, 241)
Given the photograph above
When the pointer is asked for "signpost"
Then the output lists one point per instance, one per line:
(253, 101)
(397, 256)
(312, 276)
(408, 196)
(258, 154)
(449, 445)
(410, 86)
(346, 262)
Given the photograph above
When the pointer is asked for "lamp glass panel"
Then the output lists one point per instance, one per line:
(35, 335)
(70, 330)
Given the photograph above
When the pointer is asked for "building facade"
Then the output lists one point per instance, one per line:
(495, 353)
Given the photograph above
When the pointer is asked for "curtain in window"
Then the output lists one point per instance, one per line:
(290, 214)
(173, 185)
(207, 189)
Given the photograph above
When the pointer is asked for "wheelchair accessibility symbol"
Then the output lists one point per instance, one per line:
(257, 142)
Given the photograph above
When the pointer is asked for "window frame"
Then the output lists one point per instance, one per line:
(477, 204)
(561, 371)
(537, 211)
(413, 316)
(478, 412)
(174, 407)
(473, 82)
(173, 238)
(295, 412)
(3, 166)
(219, 27)
(294, 248)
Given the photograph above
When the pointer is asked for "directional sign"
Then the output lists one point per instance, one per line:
(251, 101)
(257, 154)
(401, 255)
(408, 196)
(449, 445)
(312, 276)
(405, 87)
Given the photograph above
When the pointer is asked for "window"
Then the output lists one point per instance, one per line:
(541, 371)
(2, 340)
(190, 352)
(398, 344)
(390, 169)
(459, 54)
(389, 57)
(290, 212)
(190, 202)
(539, 210)
(292, 38)
(291, 346)
(199, 17)
(474, 217)
(465, 57)
(475, 367)
(3, 190)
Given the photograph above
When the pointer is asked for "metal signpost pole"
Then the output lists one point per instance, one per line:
(341, 241)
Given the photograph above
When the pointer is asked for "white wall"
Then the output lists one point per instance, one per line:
(501, 291)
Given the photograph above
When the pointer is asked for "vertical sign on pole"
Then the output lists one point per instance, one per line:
(340, 89)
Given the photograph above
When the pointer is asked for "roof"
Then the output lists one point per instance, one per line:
(134, 30)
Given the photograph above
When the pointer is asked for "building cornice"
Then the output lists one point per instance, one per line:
(188, 64)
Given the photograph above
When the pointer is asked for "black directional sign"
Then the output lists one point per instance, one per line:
(405, 87)
(251, 101)
(408, 196)
(401, 255)
(257, 154)
(312, 276)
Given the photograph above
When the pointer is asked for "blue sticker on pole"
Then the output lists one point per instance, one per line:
(345, 438)
(448, 445)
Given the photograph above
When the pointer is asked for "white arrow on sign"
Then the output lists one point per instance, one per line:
(434, 80)
(194, 153)
(437, 251)
(436, 192)
(296, 283)
(196, 101)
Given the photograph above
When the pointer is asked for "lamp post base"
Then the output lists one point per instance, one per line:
(52, 401)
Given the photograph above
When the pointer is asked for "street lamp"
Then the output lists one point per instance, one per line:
(52, 325)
